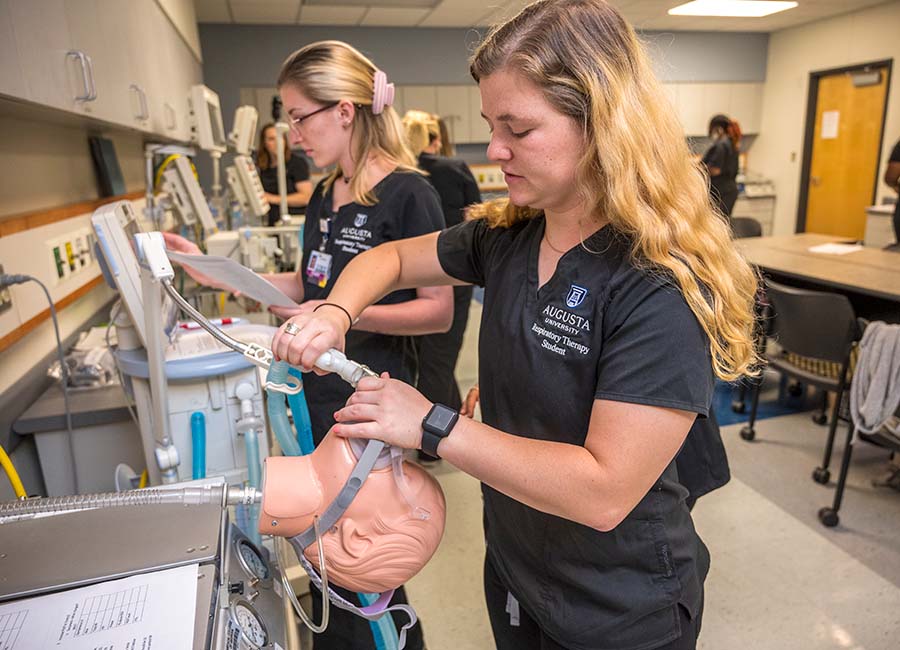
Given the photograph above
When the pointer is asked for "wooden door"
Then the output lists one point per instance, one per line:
(844, 162)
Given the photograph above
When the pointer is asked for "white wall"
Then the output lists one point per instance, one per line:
(860, 37)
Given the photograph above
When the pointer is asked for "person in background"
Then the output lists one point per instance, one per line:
(299, 187)
(614, 295)
(457, 188)
(339, 107)
(447, 148)
(892, 178)
(721, 161)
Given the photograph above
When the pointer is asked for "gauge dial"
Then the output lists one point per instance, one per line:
(252, 561)
(247, 621)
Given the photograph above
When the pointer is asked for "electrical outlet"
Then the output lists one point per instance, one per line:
(5, 296)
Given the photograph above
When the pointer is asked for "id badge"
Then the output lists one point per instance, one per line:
(318, 269)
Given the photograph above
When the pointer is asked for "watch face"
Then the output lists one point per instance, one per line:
(441, 417)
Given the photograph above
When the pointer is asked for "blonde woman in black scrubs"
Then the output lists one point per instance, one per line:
(613, 297)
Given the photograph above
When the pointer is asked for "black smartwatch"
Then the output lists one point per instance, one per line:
(436, 426)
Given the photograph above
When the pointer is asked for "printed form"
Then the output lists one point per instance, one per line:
(152, 610)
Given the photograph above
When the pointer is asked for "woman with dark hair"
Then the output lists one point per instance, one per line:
(721, 161)
(299, 187)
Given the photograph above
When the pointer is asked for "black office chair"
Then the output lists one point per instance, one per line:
(743, 227)
(829, 515)
(816, 332)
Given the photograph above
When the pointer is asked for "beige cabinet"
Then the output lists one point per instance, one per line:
(11, 80)
(120, 62)
(453, 107)
(459, 106)
(696, 103)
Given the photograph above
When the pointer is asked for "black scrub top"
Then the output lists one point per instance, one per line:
(724, 156)
(296, 170)
(407, 206)
(600, 328)
(454, 183)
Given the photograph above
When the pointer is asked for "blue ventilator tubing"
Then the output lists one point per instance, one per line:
(276, 407)
(302, 421)
(198, 442)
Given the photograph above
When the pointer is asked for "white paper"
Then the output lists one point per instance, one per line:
(153, 611)
(835, 249)
(198, 343)
(238, 277)
(830, 120)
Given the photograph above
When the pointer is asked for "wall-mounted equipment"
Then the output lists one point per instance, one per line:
(208, 130)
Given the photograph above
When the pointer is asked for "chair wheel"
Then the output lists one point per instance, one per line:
(828, 517)
(821, 475)
(739, 406)
(820, 418)
(747, 433)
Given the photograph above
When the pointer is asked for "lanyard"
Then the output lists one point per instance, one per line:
(326, 223)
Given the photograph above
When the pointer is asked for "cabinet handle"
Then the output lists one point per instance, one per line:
(76, 54)
(142, 98)
(174, 115)
(90, 66)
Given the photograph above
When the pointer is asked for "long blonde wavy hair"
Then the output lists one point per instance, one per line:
(330, 71)
(636, 170)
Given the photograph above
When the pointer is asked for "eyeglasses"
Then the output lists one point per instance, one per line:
(297, 122)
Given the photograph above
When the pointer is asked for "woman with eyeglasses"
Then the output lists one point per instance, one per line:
(339, 107)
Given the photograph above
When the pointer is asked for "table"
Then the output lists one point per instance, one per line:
(870, 277)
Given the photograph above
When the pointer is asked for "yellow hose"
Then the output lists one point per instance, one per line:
(13, 475)
(162, 168)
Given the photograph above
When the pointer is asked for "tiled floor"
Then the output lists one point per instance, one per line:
(778, 579)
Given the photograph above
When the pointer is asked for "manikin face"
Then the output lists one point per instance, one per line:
(380, 542)
(323, 136)
(536, 146)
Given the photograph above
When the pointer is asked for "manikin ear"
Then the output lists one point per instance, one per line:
(353, 539)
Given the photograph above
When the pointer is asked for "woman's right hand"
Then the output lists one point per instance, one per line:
(179, 244)
(318, 332)
(471, 401)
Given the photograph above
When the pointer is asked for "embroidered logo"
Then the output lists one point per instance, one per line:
(576, 296)
(360, 220)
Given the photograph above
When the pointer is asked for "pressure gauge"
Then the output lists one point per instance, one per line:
(247, 623)
(251, 559)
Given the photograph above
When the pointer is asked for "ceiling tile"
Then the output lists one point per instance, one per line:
(460, 13)
(212, 11)
(426, 4)
(281, 12)
(331, 15)
(393, 17)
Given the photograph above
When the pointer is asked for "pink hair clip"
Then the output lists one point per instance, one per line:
(383, 94)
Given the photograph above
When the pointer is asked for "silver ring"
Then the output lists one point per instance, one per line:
(291, 329)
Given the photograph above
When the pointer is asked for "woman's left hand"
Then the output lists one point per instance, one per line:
(384, 409)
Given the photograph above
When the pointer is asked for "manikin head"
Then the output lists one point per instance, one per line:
(381, 541)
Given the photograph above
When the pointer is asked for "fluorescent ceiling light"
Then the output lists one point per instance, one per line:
(731, 8)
